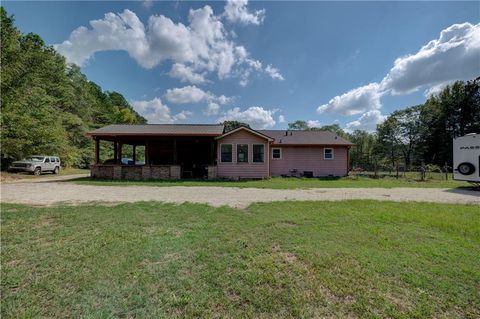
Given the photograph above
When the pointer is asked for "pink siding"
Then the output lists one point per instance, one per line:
(310, 158)
(236, 170)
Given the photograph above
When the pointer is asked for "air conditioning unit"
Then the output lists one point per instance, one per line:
(466, 158)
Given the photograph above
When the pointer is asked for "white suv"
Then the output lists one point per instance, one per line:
(37, 165)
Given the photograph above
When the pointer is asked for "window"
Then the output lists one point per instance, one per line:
(47, 160)
(276, 153)
(258, 153)
(328, 153)
(226, 153)
(52, 159)
(242, 153)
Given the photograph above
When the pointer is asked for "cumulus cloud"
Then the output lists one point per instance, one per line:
(313, 123)
(354, 101)
(281, 119)
(256, 116)
(183, 115)
(368, 121)
(186, 74)
(435, 89)
(212, 109)
(193, 94)
(157, 112)
(237, 11)
(197, 49)
(274, 73)
(453, 56)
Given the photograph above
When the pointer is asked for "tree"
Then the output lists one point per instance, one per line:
(231, 125)
(362, 153)
(298, 125)
(47, 105)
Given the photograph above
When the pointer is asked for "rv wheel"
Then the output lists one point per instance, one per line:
(466, 168)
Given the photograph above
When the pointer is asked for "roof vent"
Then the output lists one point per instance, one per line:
(286, 133)
(291, 133)
(336, 137)
(280, 141)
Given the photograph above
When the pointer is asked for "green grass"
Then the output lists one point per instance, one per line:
(290, 183)
(363, 259)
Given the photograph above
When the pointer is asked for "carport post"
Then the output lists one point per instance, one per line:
(97, 151)
(134, 154)
(120, 147)
(115, 157)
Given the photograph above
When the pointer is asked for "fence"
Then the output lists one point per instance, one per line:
(420, 173)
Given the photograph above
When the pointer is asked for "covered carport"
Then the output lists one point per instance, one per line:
(172, 151)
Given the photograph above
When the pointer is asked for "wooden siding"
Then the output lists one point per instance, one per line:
(310, 158)
(236, 170)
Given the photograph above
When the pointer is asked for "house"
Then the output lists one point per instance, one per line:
(174, 151)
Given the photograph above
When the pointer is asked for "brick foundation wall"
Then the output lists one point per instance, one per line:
(144, 172)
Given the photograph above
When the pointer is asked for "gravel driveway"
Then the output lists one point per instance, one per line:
(47, 193)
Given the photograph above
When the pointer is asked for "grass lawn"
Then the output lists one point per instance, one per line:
(287, 259)
(292, 183)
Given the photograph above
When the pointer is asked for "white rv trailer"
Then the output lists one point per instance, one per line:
(466, 158)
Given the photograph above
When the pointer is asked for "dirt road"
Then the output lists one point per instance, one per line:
(47, 193)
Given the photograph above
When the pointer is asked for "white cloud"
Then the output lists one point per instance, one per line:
(236, 11)
(186, 74)
(193, 94)
(274, 73)
(196, 50)
(256, 116)
(183, 115)
(354, 101)
(187, 94)
(453, 56)
(157, 112)
(281, 119)
(435, 89)
(368, 121)
(212, 109)
(313, 123)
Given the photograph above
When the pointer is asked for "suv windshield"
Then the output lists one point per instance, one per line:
(35, 158)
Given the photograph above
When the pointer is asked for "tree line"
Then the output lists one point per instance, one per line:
(416, 136)
(49, 105)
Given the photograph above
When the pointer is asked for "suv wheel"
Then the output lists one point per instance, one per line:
(56, 170)
(37, 171)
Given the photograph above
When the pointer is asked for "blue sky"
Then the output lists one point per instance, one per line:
(264, 62)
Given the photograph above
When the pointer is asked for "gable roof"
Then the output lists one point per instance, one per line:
(159, 130)
(283, 137)
(258, 133)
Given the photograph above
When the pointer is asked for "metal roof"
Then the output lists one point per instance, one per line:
(284, 137)
(159, 130)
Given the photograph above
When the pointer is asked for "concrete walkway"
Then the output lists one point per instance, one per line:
(48, 193)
